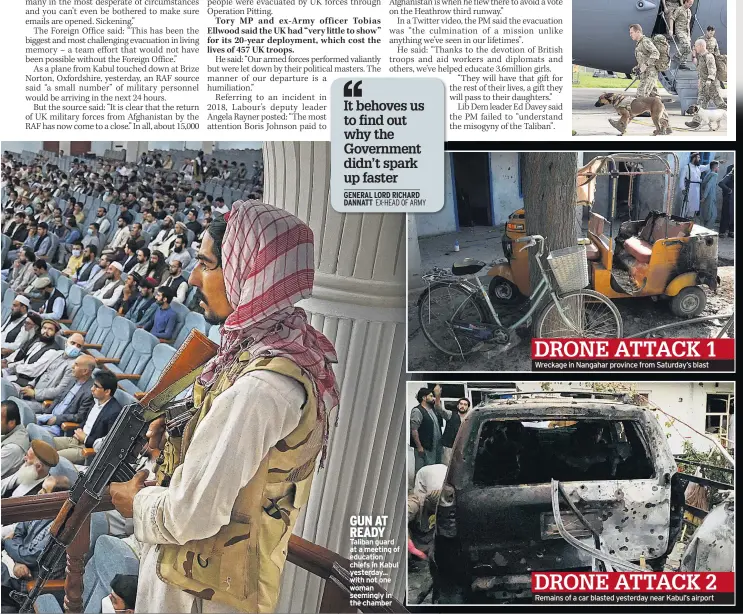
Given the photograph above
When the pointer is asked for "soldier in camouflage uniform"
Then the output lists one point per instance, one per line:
(711, 41)
(669, 8)
(646, 56)
(682, 25)
(709, 90)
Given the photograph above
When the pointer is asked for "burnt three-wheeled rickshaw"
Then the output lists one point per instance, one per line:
(660, 256)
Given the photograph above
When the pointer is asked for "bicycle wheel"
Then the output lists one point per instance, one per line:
(436, 307)
(590, 315)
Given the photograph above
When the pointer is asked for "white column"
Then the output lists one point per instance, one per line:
(65, 146)
(207, 147)
(358, 302)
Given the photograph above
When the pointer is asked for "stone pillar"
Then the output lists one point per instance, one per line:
(358, 302)
(207, 147)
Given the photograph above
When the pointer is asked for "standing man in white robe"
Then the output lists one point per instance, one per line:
(263, 403)
(690, 184)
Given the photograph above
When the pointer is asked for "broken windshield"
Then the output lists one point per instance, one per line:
(511, 452)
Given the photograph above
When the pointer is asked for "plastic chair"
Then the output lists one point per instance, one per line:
(8, 299)
(85, 316)
(136, 355)
(113, 556)
(27, 414)
(215, 335)
(101, 328)
(193, 320)
(115, 343)
(63, 284)
(161, 355)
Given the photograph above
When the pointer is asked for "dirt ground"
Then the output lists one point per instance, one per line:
(637, 315)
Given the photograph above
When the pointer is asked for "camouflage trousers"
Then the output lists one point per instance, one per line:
(649, 86)
(648, 83)
(710, 91)
(684, 43)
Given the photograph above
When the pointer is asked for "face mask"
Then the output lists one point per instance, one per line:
(76, 252)
(107, 606)
(90, 231)
(72, 351)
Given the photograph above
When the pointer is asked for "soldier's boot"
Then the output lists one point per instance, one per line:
(619, 125)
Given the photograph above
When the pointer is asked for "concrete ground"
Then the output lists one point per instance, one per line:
(484, 243)
(589, 120)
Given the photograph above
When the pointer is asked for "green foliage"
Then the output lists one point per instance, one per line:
(712, 457)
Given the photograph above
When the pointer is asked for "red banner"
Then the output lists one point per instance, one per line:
(632, 582)
(633, 349)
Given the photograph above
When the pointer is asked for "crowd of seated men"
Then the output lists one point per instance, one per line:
(134, 253)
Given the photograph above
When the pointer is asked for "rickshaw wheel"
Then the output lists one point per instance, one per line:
(503, 291)
(689, 303)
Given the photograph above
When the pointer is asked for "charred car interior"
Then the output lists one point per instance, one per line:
(605, 464)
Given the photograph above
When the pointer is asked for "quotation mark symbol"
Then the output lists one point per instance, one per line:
(349, 92)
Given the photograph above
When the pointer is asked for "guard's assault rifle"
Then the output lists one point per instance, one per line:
(121, 450)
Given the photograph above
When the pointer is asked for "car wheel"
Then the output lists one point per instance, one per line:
(689, 303)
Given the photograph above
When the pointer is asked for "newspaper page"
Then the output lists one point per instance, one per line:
(277, 276)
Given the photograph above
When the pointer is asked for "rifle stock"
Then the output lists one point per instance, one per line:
(119, 453)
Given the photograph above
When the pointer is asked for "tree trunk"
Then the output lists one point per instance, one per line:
(548, 182)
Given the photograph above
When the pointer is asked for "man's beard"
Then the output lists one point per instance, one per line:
(47, 340)
(14, 316)
(27, 475)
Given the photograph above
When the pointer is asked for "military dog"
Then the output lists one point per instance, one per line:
(629, 108)
(707, 116)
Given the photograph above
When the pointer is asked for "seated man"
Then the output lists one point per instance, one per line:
(38, 461)
(100, 419)
(176, 281)
(22, 272)
(88, 267)
(93, 237)
(54, 306)
(142, 313)
(12, 329)
(23, 548)
(115, 248)
(56, 380)
(163, 324)
(98, 279)
(179, 253)
(31, 329)
(112, 289)
(129, 295)
(30, 361)
(15, 442)
(35, 290)
(123, 595)
(76, 259)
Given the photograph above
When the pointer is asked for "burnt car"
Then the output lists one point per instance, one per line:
(495, 522)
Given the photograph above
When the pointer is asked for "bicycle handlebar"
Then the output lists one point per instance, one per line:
(532, 240)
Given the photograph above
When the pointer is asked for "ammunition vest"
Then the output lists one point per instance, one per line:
(241, 565)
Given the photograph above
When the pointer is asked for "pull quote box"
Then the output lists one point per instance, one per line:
(387, 145)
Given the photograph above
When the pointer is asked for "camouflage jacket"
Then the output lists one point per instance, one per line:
(646, 52)
(706, 67)
(712, 45)
(682, 18)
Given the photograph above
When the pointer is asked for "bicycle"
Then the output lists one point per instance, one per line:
(467, 318)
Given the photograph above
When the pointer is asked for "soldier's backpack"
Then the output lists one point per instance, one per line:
(664, 48)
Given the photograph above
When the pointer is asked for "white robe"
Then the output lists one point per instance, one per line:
(243, 424)
(694, 173)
